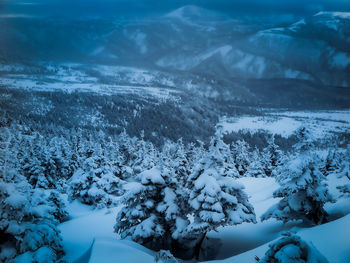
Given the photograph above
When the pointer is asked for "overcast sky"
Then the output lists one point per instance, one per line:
(149, 7)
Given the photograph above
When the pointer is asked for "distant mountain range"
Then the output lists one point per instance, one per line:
(316, 48)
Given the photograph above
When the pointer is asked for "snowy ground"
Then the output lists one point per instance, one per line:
(74, 78)
(89, 236)
(320, 123)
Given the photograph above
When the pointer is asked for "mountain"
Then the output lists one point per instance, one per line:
(191, 13)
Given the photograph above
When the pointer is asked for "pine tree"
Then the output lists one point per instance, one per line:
(344, 171)
(175, 158)
(216, 198)
(156, 208)
(34, 165)
(332, 163)
(241, 156)
(174, 205)
(95, 183)
(256, 167)
(139, 218)
(144, 155)
(303, 190)
(128, 154)
(271, 156)
(28, 227)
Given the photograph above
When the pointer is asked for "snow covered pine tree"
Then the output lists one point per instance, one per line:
(28, 227)
(216, 198)
(139, 218)
(95, 183)
(272, 156)
(303, 190)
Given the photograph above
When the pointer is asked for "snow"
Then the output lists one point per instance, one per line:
(249, 63)
(283, 126)
(140, 40)
(90, 233)
(295, 74)
(109, 250)
(342, 205)
(320, 123)
(11, 15)
(296, 26)
(77, 209)
(183, 62)
(341, 60)
(153, 175)
(190, 13)
(79, 233)
(344, 15)
(260, 191)
(335, 248)
(237, 239)
(97, 51)
(72, 78)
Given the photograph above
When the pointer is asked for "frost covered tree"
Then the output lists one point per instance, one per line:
(32, 165)
(28, 223)
(256, 167)
(155, 212)
(176, 159)
(292, 248)
(95, 183)
(139, 218)
(304, 189)
(128, 155)
(241, 156)
(332, 162)
(271, 156)
(216, 198)
(344, 171)
(44, 165)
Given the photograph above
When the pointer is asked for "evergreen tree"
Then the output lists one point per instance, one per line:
(241, 156)
(344, 171)
(35, 165)
(332, 163)
(155, 212)
(271, 156)
(256, 168)
(95, 183)
(28, 225)
(144, 155)
(139, 218)
(304, 189)
(216, 198)
(128, 154)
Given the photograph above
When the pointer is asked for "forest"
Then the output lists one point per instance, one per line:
(170, 196)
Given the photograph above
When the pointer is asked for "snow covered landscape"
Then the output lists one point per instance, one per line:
(174, 131)
(320, 123)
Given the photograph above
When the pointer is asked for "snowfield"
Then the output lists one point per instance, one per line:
(335, 248)
(73, 78)
(89, 236)
(320, 123)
